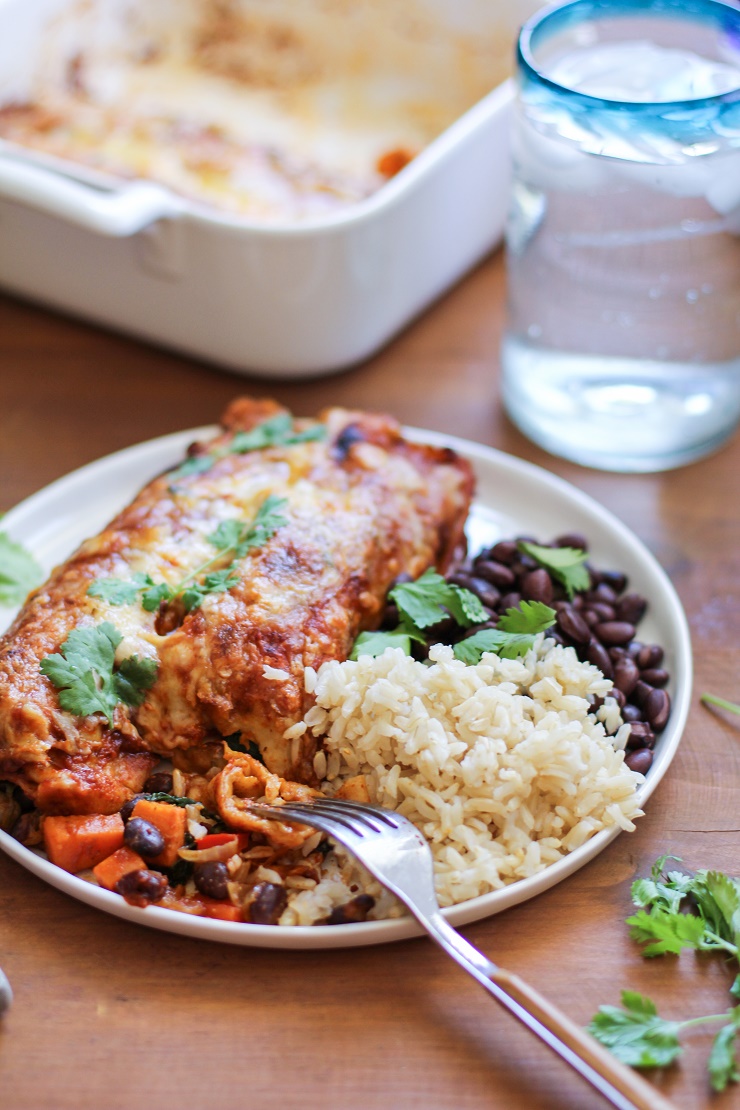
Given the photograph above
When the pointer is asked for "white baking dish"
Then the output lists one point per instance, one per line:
(280, 298)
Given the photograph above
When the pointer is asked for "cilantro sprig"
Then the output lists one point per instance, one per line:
(85, 674)
(232, 540)
(721, 703)
(431, 598)
(638, 1036)
(422, 604)
(663, 926)
(513, 636)
(19, 571)
(677, 909)
(278, 431)
(565, 564)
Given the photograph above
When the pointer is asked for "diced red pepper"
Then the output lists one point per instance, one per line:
(213, 840)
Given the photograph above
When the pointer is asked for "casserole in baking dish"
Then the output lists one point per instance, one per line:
(274, 186)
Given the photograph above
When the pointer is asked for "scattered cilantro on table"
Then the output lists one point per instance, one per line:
(278, 431)
(19, 571)
(721, 703)
(677, 910)
(232, 540)
(565, 564)
(86, 676)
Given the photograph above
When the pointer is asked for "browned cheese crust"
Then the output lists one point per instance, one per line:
(362, 505)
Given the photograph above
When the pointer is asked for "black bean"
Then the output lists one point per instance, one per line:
(487, 593)
(140, 888)
(351, 912)
(657, 709)
(640, 761)
(591, 618)
(651, 655)
(603, 611)
(577, 602)
(441, 632)
(641, 735)
(626, 674)
(461, 578)
(391, 616)
(211, 879)
(640, 693)
(597, 654)
(619, 697)
(509, 601)
(402, 578)
(505, 551)
(468, 632)
(573, 626)
(159, 783)
(614, 578)
(614, 633)
(143, 837)
(631, 608)
(602, 593)
(655, 676)
(498, 574)
(537, 586)
(631, 713)
(128, 807)
(618, 653)
(634, 649)
(572, 539)
(269, 902)
(349, 435)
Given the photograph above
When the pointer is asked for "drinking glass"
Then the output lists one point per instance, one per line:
(622, 349)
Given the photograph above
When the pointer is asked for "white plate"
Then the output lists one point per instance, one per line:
(513, 498)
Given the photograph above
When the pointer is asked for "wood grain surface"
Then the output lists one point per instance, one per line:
(112, 1015)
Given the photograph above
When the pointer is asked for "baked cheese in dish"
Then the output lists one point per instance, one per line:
(350, 505)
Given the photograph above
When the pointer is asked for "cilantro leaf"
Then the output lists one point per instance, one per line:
(430, 598)
(83, 672)
(152, 598)
(722, 1063)
(735, 988)
(722, 703)
(275, 432)
(196, 464)
(375, 643)
(133, 678)
(232, 537)
(566, 564)
(666, 932)
(514, 635)
(19, 571)
(119, 591)
(528, 617)
(636, 1034)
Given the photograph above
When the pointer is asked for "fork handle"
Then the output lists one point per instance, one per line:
(623, 1087)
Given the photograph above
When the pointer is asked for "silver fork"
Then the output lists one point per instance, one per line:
(395, 852)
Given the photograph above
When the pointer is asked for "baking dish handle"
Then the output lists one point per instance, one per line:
(118, 213)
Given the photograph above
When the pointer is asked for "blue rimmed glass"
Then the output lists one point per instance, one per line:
(623, 243)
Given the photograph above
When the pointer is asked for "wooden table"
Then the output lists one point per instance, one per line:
(110, 1015)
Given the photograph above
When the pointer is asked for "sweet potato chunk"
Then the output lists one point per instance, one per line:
(77, 842)
(114, 867)
(171, 821)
